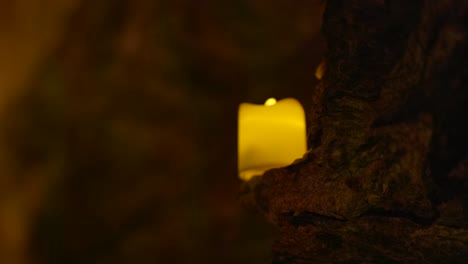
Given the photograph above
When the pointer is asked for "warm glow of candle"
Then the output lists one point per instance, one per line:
(320, 71)
(270, 102)
(270, 136)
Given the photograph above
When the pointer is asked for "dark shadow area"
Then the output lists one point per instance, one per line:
(119, 124)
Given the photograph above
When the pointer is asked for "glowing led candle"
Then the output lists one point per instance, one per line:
(270, 136)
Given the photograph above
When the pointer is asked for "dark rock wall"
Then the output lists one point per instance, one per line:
(385, 180)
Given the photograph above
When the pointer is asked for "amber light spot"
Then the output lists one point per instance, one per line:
(270, 102)
(320, 71)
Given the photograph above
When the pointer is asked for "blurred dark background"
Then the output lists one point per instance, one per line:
(119, 120)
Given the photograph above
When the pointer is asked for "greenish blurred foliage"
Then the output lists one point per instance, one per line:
(135, 113)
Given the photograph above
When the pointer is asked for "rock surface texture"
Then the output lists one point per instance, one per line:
(386, 176)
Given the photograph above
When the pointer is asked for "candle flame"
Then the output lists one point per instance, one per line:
(270, 102)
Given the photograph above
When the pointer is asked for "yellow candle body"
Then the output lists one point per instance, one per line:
(270, 136)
